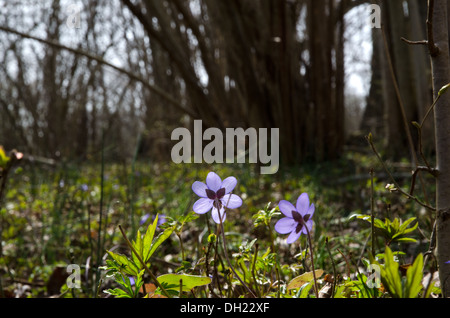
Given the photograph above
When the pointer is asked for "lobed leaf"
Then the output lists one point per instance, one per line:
(127, 266)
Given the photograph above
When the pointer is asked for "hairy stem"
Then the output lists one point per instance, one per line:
(228, 260)
(316, 290)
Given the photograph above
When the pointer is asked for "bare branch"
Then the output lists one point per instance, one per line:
(434, 50)
(131, 75)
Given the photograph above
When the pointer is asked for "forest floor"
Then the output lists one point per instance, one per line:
(56, 216)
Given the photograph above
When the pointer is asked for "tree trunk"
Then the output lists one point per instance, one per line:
(420, 71)
(373, 119)
(441, 76)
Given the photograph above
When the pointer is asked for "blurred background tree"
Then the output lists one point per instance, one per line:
(240, 63)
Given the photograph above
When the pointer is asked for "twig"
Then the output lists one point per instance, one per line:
(429, 110)
(429, 253)
(419, 132)
(99, 245)
(432, 171)
(334, 268)
(397, 92)
(369, 139)
(434, 50)
(346, 262)
(421, 42)
(372, 213)
(155, 89)
(253, 270)
(276, 260)
(402, 107)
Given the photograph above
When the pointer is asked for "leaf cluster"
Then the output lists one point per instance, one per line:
(120, 266)
(398, 286)
(393, 231)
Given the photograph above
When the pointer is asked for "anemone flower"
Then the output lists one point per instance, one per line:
(297, 219)
(144, 218)
(216, 195)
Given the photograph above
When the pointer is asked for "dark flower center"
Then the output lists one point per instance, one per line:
(216, 196)
(301, 220)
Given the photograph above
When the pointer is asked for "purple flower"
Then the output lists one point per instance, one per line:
(216, 195)
(144, 218)
(298, 218)
(161, 219)
(131, 279)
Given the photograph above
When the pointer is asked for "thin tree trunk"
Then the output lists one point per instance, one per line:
(441, 76)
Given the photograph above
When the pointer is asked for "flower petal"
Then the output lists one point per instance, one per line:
(286, 207)
(144, 218)
(285, 225)
(213, 181)
(311, 210)
(199, 189)
(202, 205)
(216, 217)
(303, 204)
(231, 201)
(229, 184)
(309, 225)
(293, 237)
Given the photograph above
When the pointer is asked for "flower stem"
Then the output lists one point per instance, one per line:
(276, 261)
(334, 268)
(372, 217)
(226, 253)
(316, 290)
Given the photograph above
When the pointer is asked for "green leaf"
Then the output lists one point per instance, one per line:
(414, 276)
(377, 222)
(117, 292)
(148, 238)
(390, 275)
(3, 158)
(188, 281)
(403, 228)
(188, 218)
(304, 290)
(406, 240)
(158, 241)
(128, 266)
(416, 124)
(138, 247)
(443, 89)
(299, 281)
